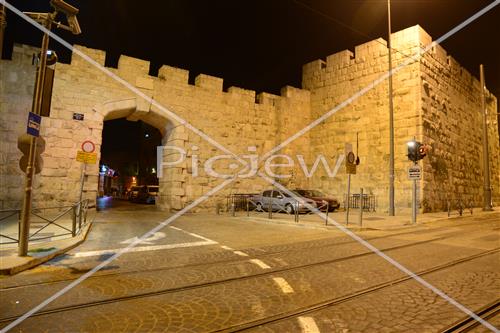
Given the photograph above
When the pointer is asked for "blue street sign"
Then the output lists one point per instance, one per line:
(33, 124)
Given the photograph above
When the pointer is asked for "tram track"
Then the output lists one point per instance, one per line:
(464, 325)
(266, 254)
(298, 312)
(468, 324)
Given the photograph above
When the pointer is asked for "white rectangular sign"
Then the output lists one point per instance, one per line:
(414, 172)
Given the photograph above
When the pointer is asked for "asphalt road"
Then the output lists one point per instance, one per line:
(208, 273)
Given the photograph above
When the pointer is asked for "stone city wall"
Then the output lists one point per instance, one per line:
(236, 119)
(435, 101)
(432, 103)
(452, 123)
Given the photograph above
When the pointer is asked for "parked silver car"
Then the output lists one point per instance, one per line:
(280, 201)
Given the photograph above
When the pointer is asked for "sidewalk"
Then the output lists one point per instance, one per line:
(371, 220)
(38, 253)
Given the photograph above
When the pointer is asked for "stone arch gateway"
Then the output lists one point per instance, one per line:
(138, 109)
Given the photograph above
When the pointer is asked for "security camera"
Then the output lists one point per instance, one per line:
(62, 6)
(70, 12)
(74, 26)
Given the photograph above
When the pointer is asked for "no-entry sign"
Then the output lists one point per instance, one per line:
(88, 146)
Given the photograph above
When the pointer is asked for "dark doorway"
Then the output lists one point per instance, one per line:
(128, 160)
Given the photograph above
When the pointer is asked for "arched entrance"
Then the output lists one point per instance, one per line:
(137, 110)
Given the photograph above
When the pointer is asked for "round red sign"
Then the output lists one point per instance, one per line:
(88, 146)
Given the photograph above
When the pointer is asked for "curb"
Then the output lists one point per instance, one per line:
(23, 263)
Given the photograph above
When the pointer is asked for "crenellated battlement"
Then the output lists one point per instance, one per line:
(136, 71)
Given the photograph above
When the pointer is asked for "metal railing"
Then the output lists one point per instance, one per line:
(460, 205)
(367, 201)
(77, 213)
(246, 202)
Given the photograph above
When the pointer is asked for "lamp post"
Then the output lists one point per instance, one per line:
(46, 19)
(37, 104)
(486, 155)
(391, 115)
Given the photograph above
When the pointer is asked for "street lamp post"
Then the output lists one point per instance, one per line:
(486, 155)
(46, 19)
(391, 115)
(37, 104)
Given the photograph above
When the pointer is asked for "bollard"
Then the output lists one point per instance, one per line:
(73, 224)
(270, 209)
(248, 208)
(296, 213)
(361, 208)
(327, 210)
(233, 207)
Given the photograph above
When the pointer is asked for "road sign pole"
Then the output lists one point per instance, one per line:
(414, 202)
(347, 199)
(84, 168)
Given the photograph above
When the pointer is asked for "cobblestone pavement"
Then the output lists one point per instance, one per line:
(264, 278)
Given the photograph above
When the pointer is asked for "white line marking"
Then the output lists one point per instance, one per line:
(308, 325)
(283, 284)
(259, 263)
(142, 249)
(240, 253)
(193, 234)
(198, 236)
(226, 247)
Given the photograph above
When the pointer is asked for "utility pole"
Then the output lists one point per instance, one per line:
(37, 105)
(486, 154)
(46, 19)
(391, 115)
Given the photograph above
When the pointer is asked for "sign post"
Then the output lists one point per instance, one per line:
(414, 174)
(350, 165)
(87, 156)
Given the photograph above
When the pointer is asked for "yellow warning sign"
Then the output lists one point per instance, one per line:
(87, 158)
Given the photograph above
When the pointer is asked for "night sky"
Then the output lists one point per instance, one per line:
(262, 44)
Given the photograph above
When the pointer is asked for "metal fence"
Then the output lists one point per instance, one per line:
(245, 202)
(67, 220)
(368, 201)
(459, 206)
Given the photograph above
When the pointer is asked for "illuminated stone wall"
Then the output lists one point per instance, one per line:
(236, 118)
(452, 123)
(435, 101)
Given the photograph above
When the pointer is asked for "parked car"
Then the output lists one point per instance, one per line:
(281, 201)
(148, 194)
(320, 198)
(133, 192)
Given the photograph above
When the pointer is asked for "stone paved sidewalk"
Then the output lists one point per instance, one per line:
(371, 220)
